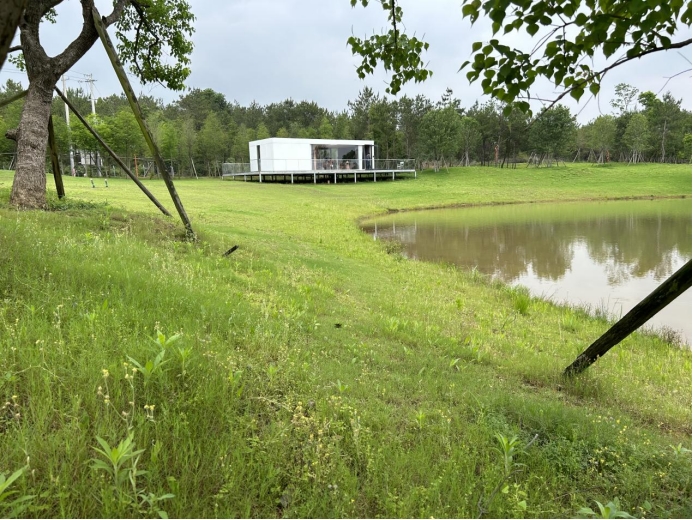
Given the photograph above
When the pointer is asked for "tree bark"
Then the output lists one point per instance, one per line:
(29, 186)
(10, 14)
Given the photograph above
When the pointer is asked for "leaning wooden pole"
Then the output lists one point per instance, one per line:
(130, 94)
(13, 98)
(55, 161)
(662, 296)
(112, 153)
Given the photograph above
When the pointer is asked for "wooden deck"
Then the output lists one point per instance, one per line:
(328, 176)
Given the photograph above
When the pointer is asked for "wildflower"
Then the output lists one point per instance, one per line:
(105, 373)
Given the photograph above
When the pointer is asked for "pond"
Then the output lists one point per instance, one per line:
(603, 255)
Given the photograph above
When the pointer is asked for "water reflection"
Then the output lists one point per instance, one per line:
(548, 246)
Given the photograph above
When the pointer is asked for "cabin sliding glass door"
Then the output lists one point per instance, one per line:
(330, 157)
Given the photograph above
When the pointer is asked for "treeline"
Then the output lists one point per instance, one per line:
(202, 130)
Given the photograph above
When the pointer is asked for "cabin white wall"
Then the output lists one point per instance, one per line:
(288, 156)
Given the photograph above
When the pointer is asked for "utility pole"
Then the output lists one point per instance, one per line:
(90, 79)
(67, 120)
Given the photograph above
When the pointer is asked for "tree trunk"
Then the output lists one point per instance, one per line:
(29, 187)
(10, 13)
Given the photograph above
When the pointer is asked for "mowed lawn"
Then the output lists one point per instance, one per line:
(315, 372)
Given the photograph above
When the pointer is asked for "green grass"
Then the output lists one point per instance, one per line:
(318, 373)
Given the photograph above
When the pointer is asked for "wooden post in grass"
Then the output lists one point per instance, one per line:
(662, 296)
(112, 153)
(137, 111)
(55, 161)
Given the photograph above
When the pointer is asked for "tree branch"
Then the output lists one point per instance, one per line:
(620, 61)
(669, 78)
(65, 60)
(47, 5)
(115, 15)
(14, 49)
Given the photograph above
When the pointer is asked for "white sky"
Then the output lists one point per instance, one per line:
(271, 50)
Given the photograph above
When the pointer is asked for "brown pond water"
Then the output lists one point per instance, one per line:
(604, 255)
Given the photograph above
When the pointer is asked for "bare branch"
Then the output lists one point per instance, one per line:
(620, 61)
(14, 49)
(669, 78)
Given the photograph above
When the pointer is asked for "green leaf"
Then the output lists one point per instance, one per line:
(476, 46)
(532, 29)
(594, 88)
(576, 93)
(469, 10)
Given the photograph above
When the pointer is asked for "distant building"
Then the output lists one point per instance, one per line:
(279, 154)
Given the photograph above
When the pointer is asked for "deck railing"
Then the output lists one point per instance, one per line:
(296, 165)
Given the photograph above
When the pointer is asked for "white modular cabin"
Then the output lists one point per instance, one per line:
(281, 154)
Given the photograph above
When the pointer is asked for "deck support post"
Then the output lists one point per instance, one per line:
(354, 177)
(260, 175)
(314, 179)
(374, 174)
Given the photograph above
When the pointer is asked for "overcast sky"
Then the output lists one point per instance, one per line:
(271, 50)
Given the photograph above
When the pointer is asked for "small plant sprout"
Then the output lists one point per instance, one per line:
(454, 363)
(11, 508)
(235, 378)
(272, 370)
(508, 450)
(610, 510)
(679, 450)
(120, 462)
(341, 387)
(420, 419)
(163, 342)
(151, 366)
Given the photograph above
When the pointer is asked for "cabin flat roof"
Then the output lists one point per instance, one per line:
(314, 141)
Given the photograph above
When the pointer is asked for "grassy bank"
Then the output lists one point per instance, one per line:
(311, 373)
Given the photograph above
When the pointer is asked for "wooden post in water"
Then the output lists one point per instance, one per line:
(662, 296)
(55, 161)
(112, 153)
(137, 111)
